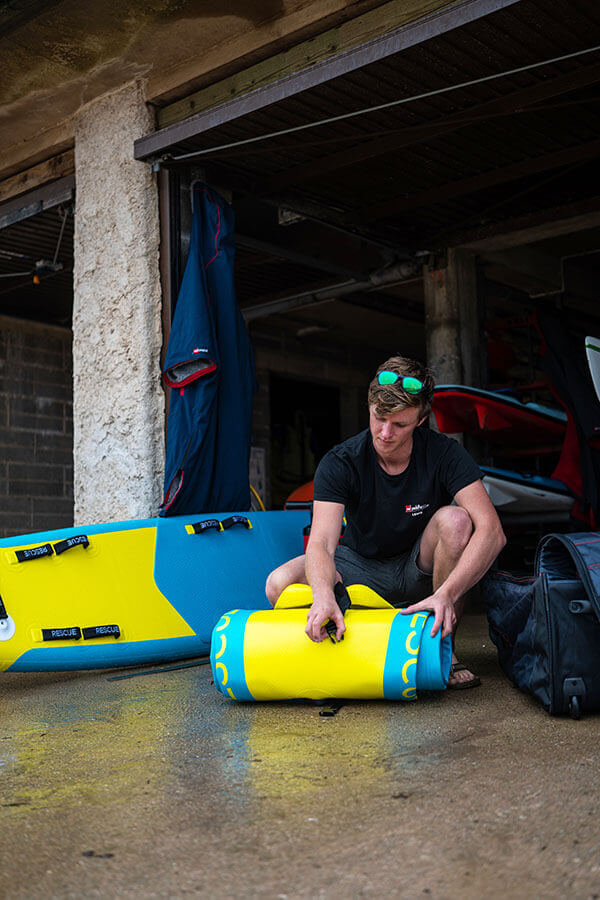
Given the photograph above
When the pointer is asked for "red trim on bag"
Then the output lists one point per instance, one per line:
(218, 231)
(217, 251)
(174, 497)
(180, 384)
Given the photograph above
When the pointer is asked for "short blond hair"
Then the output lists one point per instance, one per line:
(389, 399)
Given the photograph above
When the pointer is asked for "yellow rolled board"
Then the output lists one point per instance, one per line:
(265, 655)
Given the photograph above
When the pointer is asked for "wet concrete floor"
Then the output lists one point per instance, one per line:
(156, 786)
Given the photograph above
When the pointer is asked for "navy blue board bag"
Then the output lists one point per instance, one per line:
(547, 628)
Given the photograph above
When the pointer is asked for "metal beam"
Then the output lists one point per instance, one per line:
(34, 202)
(480, 182)
(407, 137)
(439, 22)
(389, 277)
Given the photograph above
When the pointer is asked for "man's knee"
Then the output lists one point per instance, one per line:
(289, 573)
(274, 586)
(455, 528)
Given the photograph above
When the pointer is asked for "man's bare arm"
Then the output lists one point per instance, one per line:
(321, 571)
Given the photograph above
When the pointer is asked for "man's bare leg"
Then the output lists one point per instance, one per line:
(443, 542)
(291, 572)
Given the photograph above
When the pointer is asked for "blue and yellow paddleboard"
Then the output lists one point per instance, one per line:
(265, 655)
(135, 592)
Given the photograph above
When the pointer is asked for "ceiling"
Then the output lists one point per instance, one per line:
(401, 184)
(511, 153)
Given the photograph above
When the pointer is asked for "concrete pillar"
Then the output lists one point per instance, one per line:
(452, 320)
(118, 404)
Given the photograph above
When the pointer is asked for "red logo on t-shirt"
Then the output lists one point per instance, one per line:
(416, 509)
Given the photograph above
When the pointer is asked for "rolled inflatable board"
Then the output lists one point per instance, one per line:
(384, 655)
(135, 592)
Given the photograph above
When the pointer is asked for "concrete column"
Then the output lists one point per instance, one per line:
(452, 321)
(118, 404)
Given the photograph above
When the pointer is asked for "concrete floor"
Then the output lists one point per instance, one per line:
(156, 786)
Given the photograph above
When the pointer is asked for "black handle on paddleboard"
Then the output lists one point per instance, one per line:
(3, 613)
(34, 553)
(342, 597)
(78, 540)
(206, 525)
(93, 632)
(235, 520)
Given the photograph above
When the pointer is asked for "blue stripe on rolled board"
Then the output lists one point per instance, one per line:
(233, 657)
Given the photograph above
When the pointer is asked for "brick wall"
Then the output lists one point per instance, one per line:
(36, 427)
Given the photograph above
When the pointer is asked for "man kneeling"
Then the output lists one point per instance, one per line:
(395, 482)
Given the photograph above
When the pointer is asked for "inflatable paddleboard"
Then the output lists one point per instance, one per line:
(384, 654)
(497, 417)
(135, 592)
(592, 351)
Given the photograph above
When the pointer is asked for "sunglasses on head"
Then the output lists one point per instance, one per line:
(407, 382)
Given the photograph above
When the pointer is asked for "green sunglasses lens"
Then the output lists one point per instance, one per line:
(412, 385)
(386, 377)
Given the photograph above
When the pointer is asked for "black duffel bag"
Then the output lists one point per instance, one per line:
(547, 628)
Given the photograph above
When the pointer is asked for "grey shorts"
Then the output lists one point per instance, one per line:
(398, 580)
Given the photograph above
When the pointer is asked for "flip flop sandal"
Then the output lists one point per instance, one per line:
(462, 685)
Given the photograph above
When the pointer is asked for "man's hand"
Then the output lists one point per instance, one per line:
(318, 614)
(443, 609)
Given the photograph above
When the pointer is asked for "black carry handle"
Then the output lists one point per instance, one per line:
(75, 541)
(101, 631)
(73, 633)
(34, 553)
(3, 613)
(344, 602)
(235, 520)
(343, 597)
(206, 525)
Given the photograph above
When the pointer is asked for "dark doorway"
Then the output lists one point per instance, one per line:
(305, 423)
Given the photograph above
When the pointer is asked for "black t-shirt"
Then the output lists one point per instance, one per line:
(388, 513)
